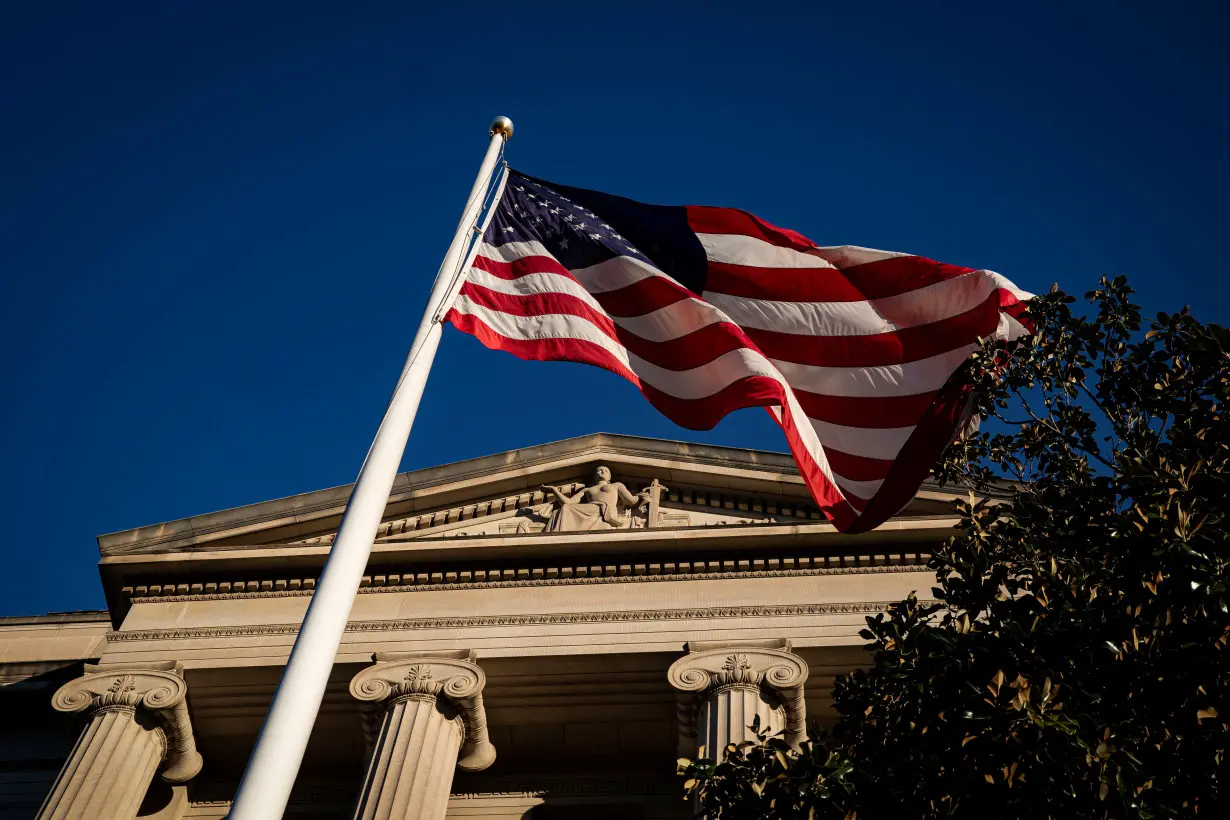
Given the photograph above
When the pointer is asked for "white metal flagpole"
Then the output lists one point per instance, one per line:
(275, 760)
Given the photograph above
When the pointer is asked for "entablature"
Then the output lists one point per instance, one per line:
(641, 508)
(648, 556)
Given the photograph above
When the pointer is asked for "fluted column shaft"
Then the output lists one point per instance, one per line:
(138, 720)
(109, 770)
(723, 688)
(411, 770)
(725, 716)
(431, 720)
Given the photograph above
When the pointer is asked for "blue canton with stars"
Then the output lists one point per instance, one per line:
(581, 228)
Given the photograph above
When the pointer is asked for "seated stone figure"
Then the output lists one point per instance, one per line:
(593, 508)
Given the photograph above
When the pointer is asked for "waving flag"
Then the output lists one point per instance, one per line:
(708, 310)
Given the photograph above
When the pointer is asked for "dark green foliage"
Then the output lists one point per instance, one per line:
(769, 779)
(1073, 661)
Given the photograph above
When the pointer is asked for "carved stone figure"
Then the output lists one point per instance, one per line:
(604, 506)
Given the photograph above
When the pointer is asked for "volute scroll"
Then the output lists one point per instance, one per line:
(160, 692)
(715, 668)
(458, 680)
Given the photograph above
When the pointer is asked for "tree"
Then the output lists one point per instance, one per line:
(1073, 660)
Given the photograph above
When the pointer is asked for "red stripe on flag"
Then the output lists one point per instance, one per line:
(935, 431)
(646, 296)
(865, 411)
(522, 266)
(881, 349)
(828, 497)
(695, 414)
(544, 350)
(896, 292)
(1020, 311)
(636, 299)
(683, 353)
(872, 280)
(857, 468)
(781, 284)
(705, 219)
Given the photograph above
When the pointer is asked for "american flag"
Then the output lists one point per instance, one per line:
(707, 310)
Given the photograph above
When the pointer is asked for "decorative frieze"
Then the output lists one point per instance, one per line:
(768, 610)
(532, 512)
(760, 566)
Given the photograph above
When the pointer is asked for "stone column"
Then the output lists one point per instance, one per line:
(723, 687)
(138, 721)
(424, 718)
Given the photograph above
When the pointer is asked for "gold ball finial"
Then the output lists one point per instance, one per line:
(502, 125)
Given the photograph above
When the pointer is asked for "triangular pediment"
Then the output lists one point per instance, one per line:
(532, 512)
(676, 485)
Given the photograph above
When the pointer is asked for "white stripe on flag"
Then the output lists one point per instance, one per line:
(880, 442)
(849, 256)
(909, 379)
(923, 306)
(751, 251)
(696, 383)
(611, 274)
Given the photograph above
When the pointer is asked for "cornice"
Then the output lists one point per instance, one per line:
(56, 620)
(434, 492)
(777, 467)
(457, 622)
(773, 509)
(557, 576)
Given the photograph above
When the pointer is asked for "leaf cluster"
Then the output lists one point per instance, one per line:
(768, 778)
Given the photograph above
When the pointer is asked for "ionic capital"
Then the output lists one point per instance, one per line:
(452, 676)
(156, 689)
(736, 665)
(710, 668)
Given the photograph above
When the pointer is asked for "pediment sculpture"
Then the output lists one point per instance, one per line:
(605, 505)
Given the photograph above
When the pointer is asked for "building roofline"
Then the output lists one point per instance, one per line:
(79, 617)
(312, 502)
(511, 470)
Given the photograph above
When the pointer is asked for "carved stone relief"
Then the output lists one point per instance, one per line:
(604, 505)
(596, 504)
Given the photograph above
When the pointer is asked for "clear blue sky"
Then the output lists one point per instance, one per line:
(218, 220)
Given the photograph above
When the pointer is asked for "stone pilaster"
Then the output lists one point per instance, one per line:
(425, 718)
(138, 721)
(723, 687)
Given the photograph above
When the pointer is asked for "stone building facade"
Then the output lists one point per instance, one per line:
(535, 638)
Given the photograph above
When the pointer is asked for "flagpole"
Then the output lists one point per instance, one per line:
(275, 760)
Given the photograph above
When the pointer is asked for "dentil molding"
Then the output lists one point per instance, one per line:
(457, 622)
(724, 569)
